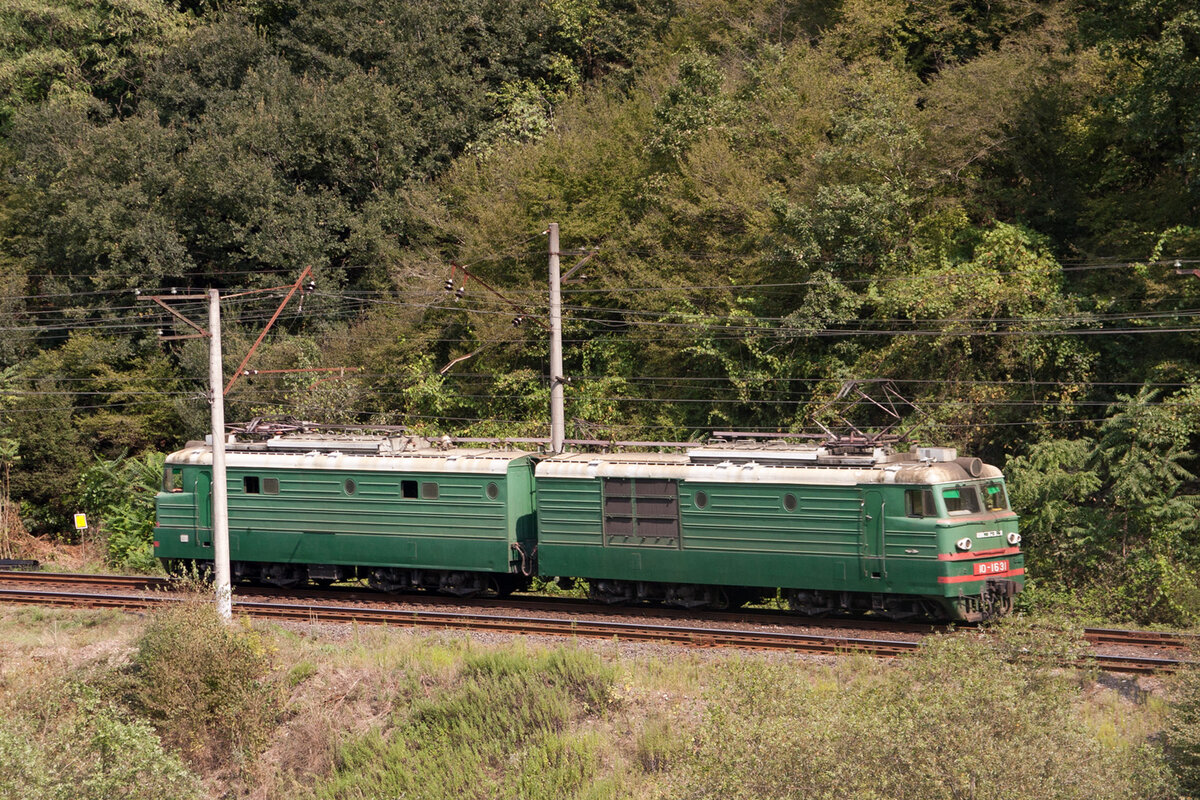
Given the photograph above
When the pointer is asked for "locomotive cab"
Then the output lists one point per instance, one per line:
(979, 553)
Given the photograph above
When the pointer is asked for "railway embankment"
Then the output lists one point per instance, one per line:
(167, 702)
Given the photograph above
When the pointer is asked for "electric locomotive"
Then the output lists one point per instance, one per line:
(857, 528)
(394, 511)
(919, 533)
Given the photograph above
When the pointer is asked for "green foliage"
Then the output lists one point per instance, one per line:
(79, 52)
(79, 746)
(93, 397)
(692, 106)
(1119, 513)
(514, 726)
(1051, 486)
(119, 494)
(1181, 742)
(769, 732)
(204, 685)
(1147, 134)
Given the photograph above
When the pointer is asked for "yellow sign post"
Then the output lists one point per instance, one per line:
(80, 522)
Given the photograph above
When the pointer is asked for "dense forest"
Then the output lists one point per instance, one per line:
(993, 205)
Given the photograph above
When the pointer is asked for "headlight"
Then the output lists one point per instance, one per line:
(964, 543)
(1014, 538)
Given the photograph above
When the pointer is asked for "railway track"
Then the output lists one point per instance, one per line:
(1169, 640)
(588, 626)
(43, 578)
(545, 626)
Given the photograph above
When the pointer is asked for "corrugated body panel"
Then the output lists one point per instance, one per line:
(318, 503)
(569, 512)
(176, 510)
(314, 520)
(743, 536)
(899, 542)
(747, 519)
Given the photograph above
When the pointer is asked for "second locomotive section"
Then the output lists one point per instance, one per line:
(915, 533)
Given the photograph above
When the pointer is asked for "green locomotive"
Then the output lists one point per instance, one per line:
(902, 534)
(858, 528)
(392, 510)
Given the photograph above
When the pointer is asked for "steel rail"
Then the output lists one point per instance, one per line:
(572, 605)
(1165, 639)
(554, 626)
(1095, 636)
(147, 581)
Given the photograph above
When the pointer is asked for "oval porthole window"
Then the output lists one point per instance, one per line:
(789, 502)
(493, 491)
(701, 500)
(350, 487)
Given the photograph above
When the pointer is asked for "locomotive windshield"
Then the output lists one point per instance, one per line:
(995, 498)
(961, 500)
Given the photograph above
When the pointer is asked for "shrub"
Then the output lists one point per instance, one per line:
(78, 747)
(658, 745)
(120, 493)
(202, 683)
(1182, 736)
(957, 720)
(505, 730)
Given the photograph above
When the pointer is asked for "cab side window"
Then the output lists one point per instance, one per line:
(173, 479)
(919, 503)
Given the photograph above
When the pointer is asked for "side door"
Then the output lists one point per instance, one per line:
(874, 566)
(203, 520)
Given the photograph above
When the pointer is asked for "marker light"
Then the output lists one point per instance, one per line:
(964, 543)
(1014, 538)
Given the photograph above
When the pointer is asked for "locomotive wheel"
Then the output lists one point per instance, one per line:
(721, 599)
(500, 586)
(607, 593)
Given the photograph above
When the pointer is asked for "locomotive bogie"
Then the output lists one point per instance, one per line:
(677, 595)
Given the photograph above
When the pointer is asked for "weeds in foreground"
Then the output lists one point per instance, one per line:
(508, 728)
(957, 720)
(72, 744)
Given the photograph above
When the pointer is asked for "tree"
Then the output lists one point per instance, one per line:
(1116, 516)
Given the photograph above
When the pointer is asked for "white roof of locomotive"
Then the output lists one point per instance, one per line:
(753, 463)
(354, 453)
(739, 465)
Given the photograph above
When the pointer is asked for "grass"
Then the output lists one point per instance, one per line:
(507, 725)
(371, 712)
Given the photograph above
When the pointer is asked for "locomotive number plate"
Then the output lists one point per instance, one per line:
(991, 567)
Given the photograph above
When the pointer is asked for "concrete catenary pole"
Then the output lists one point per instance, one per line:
(558, 424)
(220, 494)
